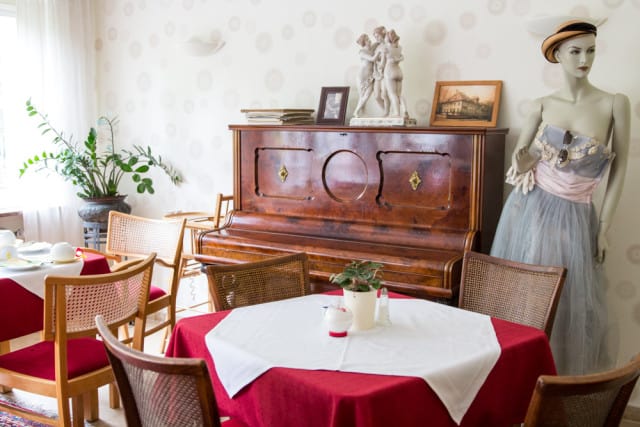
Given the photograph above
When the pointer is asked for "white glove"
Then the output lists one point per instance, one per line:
(522, 181)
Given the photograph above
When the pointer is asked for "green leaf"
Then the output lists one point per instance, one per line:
(142, 169)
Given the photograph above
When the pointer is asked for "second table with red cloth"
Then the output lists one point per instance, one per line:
(284, 397)
(22, 312)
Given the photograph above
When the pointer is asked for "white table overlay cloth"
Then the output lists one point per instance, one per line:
(33, 280)
(453, 350)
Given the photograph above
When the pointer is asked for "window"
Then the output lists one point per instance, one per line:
(8, 42)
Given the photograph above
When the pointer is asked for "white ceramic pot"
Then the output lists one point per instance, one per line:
(363, 308)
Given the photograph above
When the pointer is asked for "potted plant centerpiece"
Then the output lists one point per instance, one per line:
(360, 281)
(96, 171)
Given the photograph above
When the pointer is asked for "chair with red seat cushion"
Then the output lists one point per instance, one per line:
(69, 362)
(162, 390)
(130, 236)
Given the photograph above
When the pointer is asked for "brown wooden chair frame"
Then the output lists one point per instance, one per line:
(522, 293)
(560, 400)
(122, 357)
(197, 222)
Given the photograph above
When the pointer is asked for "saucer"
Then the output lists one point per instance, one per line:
(19, 264)
(66, 261)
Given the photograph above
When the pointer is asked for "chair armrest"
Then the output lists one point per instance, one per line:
(116, 258)
(191, 215)
(125, 264)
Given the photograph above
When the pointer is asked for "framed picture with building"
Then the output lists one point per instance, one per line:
(466, 103)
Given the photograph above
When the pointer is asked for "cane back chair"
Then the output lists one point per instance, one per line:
(69, 363)
(249, 283)
(522, 293)
(161, 391)
(595, 400)
(131, 237)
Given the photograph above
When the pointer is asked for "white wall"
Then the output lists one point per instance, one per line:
(280, 53)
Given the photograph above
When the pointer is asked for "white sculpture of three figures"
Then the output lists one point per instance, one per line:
(380, 75)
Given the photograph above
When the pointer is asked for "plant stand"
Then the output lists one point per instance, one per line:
(95, 234)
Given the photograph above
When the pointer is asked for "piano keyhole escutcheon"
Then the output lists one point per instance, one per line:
(415, 180)
(283, 173)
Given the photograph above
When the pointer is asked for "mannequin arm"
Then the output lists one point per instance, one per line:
(620, 146)
(522, 160)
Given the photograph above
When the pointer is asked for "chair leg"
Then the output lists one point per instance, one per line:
(114, 396)
(125, 332)
(75, 417)
(165, 339)
(5, 347)
(171, 313)
(90, 405)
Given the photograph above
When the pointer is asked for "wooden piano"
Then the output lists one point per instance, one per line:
(412, 198)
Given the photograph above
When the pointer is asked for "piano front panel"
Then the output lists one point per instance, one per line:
(412, 198)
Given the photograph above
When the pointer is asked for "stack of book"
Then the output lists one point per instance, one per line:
(278, 116)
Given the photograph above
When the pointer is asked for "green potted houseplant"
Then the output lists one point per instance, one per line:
(94, 170)
(360, 281)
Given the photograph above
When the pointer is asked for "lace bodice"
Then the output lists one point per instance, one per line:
(587, 157)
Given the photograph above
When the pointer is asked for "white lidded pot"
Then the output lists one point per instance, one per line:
(338, 320)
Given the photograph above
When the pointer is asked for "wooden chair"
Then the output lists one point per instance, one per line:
(521, 293)
(130, 236)
(257, 282)
(595, 400)
(69, 362)
(161, 391)
(198, 222)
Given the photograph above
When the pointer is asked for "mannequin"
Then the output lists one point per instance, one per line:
(559, 159)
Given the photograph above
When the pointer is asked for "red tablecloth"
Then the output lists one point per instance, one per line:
(296, 397)
(22, 312)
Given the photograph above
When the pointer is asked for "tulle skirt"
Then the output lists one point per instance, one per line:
(540, 228)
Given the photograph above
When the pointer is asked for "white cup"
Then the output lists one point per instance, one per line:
(7, 238)
(8, 252)
(62, 251)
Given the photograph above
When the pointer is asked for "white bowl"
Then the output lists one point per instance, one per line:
(62, 252)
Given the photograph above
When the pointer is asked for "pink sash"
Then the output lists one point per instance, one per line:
(566, 185)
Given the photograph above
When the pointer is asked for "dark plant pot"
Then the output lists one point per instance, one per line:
(96, 209)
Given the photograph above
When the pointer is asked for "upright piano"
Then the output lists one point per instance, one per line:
(413, 198)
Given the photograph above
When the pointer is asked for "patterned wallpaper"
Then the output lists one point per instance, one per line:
(279, 53)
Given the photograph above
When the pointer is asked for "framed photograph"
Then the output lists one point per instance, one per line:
(466, 103)
(333, 105)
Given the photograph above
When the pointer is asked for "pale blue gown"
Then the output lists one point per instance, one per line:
(554, 223)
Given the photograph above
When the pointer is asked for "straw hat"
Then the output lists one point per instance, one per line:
(567, 30)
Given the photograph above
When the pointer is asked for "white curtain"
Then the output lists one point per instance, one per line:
(56, 68)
